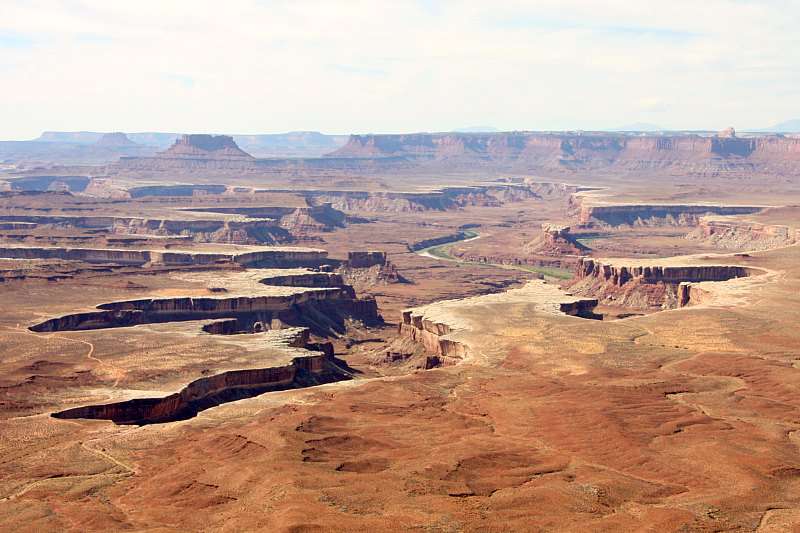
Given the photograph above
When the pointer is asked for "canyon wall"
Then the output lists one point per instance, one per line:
(246, 225)
(647, 287)
(440, 200)
(316, 368)
(366, 269)
(430, 334)
(655, 214)
(686, 154)
(286, 258)
(323, 309)
(434, 326)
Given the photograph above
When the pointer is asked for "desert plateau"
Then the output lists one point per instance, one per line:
(536, 327)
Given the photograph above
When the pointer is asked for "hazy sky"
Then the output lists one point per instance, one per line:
(263, 66)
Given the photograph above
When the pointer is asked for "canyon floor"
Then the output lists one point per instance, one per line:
(599, 355)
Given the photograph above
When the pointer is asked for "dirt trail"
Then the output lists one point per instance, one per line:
(116, 371)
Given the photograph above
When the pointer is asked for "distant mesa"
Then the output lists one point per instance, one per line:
(727, 133)
(73, 137)
(205, 147)
(115, 139)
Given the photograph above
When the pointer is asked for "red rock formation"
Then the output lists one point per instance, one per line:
(365, 269)
(304, 371)
(365, 259)
(647, 287)
(442, 352)
(655, 214)
(555, 240)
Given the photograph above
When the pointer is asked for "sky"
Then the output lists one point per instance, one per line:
(262, 66)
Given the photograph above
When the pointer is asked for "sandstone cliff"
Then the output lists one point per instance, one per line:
(571, 152)
(555, 240)
(447, 198)
(318, 367)
(742, 235)
(654, 214)
(274, 257)
(366, 269)
(249, 225)
(271, 298)
(646, 286)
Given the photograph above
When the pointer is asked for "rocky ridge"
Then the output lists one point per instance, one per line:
(276, 256)
(647, 285)
(315, 367)
(569, 152)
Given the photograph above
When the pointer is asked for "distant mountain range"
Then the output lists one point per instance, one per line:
(299, 143)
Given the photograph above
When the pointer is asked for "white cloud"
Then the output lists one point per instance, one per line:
(259, 66)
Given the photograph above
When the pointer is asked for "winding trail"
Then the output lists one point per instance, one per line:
(116, 371)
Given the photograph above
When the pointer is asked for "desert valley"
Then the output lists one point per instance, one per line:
(521, 331)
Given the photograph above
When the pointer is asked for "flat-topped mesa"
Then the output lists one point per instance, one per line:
(365, 259)
(742, 234)
(315, 368)
(273, 257)
(447, 198)
(205, 146)
(115, 139)
(647, 287)
(303, 279)
(297, 220)
(324, 309)
(656, 214)
(441, 329)
(569, 152)
(364, 269)
(555, 240)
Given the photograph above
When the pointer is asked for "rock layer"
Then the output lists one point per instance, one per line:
(277, 257)
(555, 240)
(570, 152)
(742, 234)
(647, 286)
(656, 214)
(313, 369)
